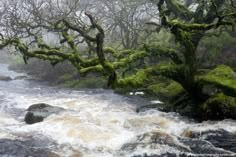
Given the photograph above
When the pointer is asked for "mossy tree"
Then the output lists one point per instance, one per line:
(27, 36)
(188, 26)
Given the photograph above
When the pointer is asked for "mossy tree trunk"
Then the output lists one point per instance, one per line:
(189, 27)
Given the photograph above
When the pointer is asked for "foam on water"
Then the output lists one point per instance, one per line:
(101, 123)
(96, 123)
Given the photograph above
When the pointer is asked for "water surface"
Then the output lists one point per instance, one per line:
(97, 123)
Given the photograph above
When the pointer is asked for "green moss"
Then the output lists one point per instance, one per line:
(221, 98)
(123, 53)
(97, 68)
(174, 88)
(137, 80)
(174, 97)
(109, 50)
(223, 71)
(108, 67)
(137, 55)
(130, 56)
(166, 90)
(223, 77)
(187, 27)
(158, 88)
(171, 71)
(162, 51)
(220, 106)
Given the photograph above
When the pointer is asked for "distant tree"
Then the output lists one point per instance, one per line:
(124, 20)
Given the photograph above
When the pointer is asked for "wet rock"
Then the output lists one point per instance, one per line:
(37, 106)
(161, 144)
(156, 141)
(203, 147)
(163, 155)
(18, 148)
(219, 138)
(20, 77)
(5, 78)
(149, 107)
(37, 112)
(31, 118)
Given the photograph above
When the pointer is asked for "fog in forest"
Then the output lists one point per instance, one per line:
(117, 78)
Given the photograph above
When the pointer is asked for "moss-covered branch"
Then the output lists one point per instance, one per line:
(154, 50)
(132, 58)
(137, 80)
(180, 10)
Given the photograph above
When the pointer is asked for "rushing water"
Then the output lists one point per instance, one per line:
(99, 123)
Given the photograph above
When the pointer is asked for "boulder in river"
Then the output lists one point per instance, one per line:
(37, 112)
(5, 78)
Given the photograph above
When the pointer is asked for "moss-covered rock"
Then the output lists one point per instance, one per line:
(166, 90)
(219, 107)
(222, 78)
(175, 99)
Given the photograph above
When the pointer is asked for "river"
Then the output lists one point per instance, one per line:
(100, 123)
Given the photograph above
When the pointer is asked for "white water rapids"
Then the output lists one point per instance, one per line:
(96, 123)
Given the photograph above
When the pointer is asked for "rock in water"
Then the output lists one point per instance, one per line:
(36, 107)
(161, 144)
(20, 77)
(219, 138)
(37, 112)
(5, 78)
(28, 147)
(31, 118)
